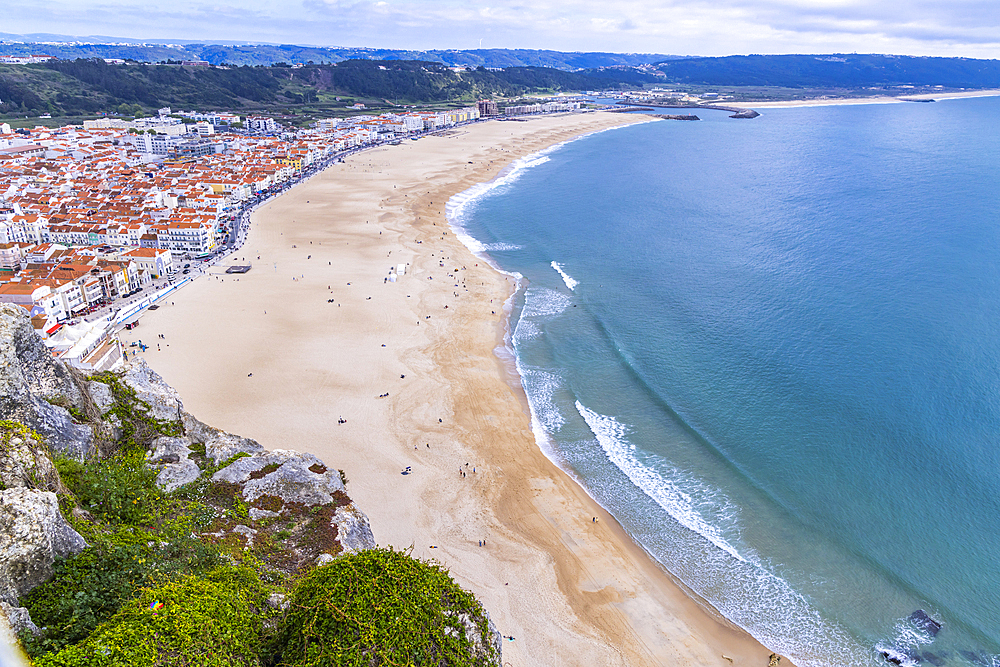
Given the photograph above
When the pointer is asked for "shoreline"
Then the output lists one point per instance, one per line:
(881, 99)
(571, 591)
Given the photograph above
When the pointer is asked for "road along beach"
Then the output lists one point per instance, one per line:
(318, 348)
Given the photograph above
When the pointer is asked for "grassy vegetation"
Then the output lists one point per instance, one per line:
(210, 621)
(381, 607)
(91, 587)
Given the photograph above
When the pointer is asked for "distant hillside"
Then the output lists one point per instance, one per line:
(89, 86)
(832, 71)
(70, 48)
(75, 87)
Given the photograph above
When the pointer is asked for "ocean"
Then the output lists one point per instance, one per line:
(771, 349)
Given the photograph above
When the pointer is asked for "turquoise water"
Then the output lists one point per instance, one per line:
(771, 349)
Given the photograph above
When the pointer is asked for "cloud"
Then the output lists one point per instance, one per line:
(717, 27)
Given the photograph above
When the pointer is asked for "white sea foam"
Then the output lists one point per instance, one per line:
(501, 247)
(677, 501)
(540, 304)
(542, 385)
(570, 282)
(457, 207)
(543, 302)
(546, 418)
(907, 638)
(525, 329)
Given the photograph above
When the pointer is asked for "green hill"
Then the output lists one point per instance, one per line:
(71, 48)
(833, 71)
(75, 87)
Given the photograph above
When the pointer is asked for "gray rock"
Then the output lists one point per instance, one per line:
(246, 531)
(25, 462)
(10, 654)
(45, 376)
(227, 445)
(33, 534)
(28, 375)
(293, 482)
(239, 471)
(496, 639)
(323, 559)
(19, 619)
(102, 396)
(175, 475)
(257, 515)
(219, 445)
(178, 468)
(166, 446)
(163, 400)
(278, 601)
(353, 530)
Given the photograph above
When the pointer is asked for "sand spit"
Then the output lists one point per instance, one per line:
(875, 99)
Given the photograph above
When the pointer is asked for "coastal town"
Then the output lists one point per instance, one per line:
(100, 221)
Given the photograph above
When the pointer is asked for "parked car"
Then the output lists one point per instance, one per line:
(186, 271)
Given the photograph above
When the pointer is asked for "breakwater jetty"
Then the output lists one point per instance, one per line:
(736, 112)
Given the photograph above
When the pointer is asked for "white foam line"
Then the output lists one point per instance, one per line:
(676, 502)
(570, 282)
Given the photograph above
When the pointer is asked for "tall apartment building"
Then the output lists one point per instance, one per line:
(487, 108)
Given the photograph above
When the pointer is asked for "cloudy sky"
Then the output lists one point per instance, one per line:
(688, 27)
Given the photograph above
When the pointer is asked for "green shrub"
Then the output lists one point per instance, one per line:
(213, 621)
(90, 587)
(119, 490)
(381, 607)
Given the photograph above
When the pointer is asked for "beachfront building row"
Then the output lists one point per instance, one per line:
(404, 123)
(546, 107)
(62, 283)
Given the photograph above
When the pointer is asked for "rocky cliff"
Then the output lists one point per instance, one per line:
(110, 492)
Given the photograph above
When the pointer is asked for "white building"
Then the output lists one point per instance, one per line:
(25, 60)
(202, 129)
(262, 124)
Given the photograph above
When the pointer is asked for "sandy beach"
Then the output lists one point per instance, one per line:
(877, 99)
(315, 333)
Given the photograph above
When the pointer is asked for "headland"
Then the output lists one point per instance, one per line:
(317, 349)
